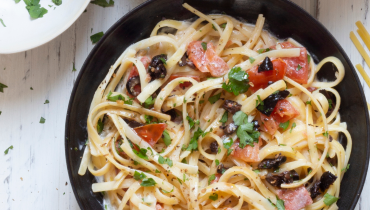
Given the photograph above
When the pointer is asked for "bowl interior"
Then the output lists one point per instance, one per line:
(283, 19)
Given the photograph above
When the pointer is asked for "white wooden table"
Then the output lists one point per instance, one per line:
(34, 173)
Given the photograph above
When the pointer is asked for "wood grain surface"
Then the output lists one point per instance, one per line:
(34, 173)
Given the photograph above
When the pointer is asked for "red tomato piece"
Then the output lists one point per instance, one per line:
(298, 67)
(296, 198)
(248, 153)
(159, 207)
(269, 124)
(218, 176)
(185, 84)
(261, 80)
(284, 111)
(151, 133)
(207, 60)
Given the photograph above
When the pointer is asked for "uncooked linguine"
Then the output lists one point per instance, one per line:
(216, 114)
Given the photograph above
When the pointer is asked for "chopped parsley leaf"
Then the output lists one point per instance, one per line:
(100, 126)
(299, 67)
(42, 120)
(165, 191)
(308, 59)
(214, 28)
(260, 51)
(293, 126)
(240, 118)
(139, 176)
(7, 150)
(57, 2)
(149, 102)
(141, 153)
(192, 122)
(308, 102)
(31, 88)
(330, 103)
(148, 182)
(2, 22)
(96, 37)
(103, 3)
(148, 119)
(214, 98)
(201, 101)
(157, 171)
(204, 45)
(211, 178)
(213, 197)
(326, 134)
(345, 168)
(259, 100)
(228, 142)
(166, 138)
(2, 86)
(285, 125)
(224, 117)
(280, 204)
(162, 160)
(115, 98)
(34, 8)
(217, 162)
(238, 81)
(256, 171)
(163, 61)
(329, 199)
(223, 25)
(74, 68)
(251, 59)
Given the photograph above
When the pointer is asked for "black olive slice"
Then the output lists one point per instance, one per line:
(326, 180)
(133, 123)
(230, 128)
(214, 147)
(272, 163)
(285, 177)
(315, 190)
(231, 106)
(270, 102)
(266, 65)
(130, 85)
(186, 61)
(156, 68)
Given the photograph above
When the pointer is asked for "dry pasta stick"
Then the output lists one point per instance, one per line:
(363, 74)
(359, 47)
(364, 34)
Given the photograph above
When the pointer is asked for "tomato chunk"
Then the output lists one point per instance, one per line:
(185, 84)
(298, 67)
(296, 198)
(284, 111)
(248, 153)
(207, 60)
(262, 79)
(269, 124)
(151, 133)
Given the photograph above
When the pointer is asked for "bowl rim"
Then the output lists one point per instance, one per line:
(52, 36)
(143, 5)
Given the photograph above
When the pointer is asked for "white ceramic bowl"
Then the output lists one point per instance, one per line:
(23, 33)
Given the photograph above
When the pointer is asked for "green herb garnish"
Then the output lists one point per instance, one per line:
(166, 138)
(293, 126)
(285, 125)
(214, 98)
(211, 178)
(7, 150)
(224, 117)
(139, 176)
(103, 3)
(96, 37)
(204, 45)
(148, 182)
(42, 120)
(213, 197)
(2, 86)
(238, 81)
(100, 126)
(345, 168)
(329, 199)
(228, 142)
(57, 2)
(251, 59)
(149, 102)
(34, 8)
(299, 67)
(2, 22)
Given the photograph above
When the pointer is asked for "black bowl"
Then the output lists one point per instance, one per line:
(283, 18)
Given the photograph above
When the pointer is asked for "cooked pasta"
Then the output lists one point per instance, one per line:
(216, 114)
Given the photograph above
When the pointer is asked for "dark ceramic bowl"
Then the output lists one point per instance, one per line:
(283, 19)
